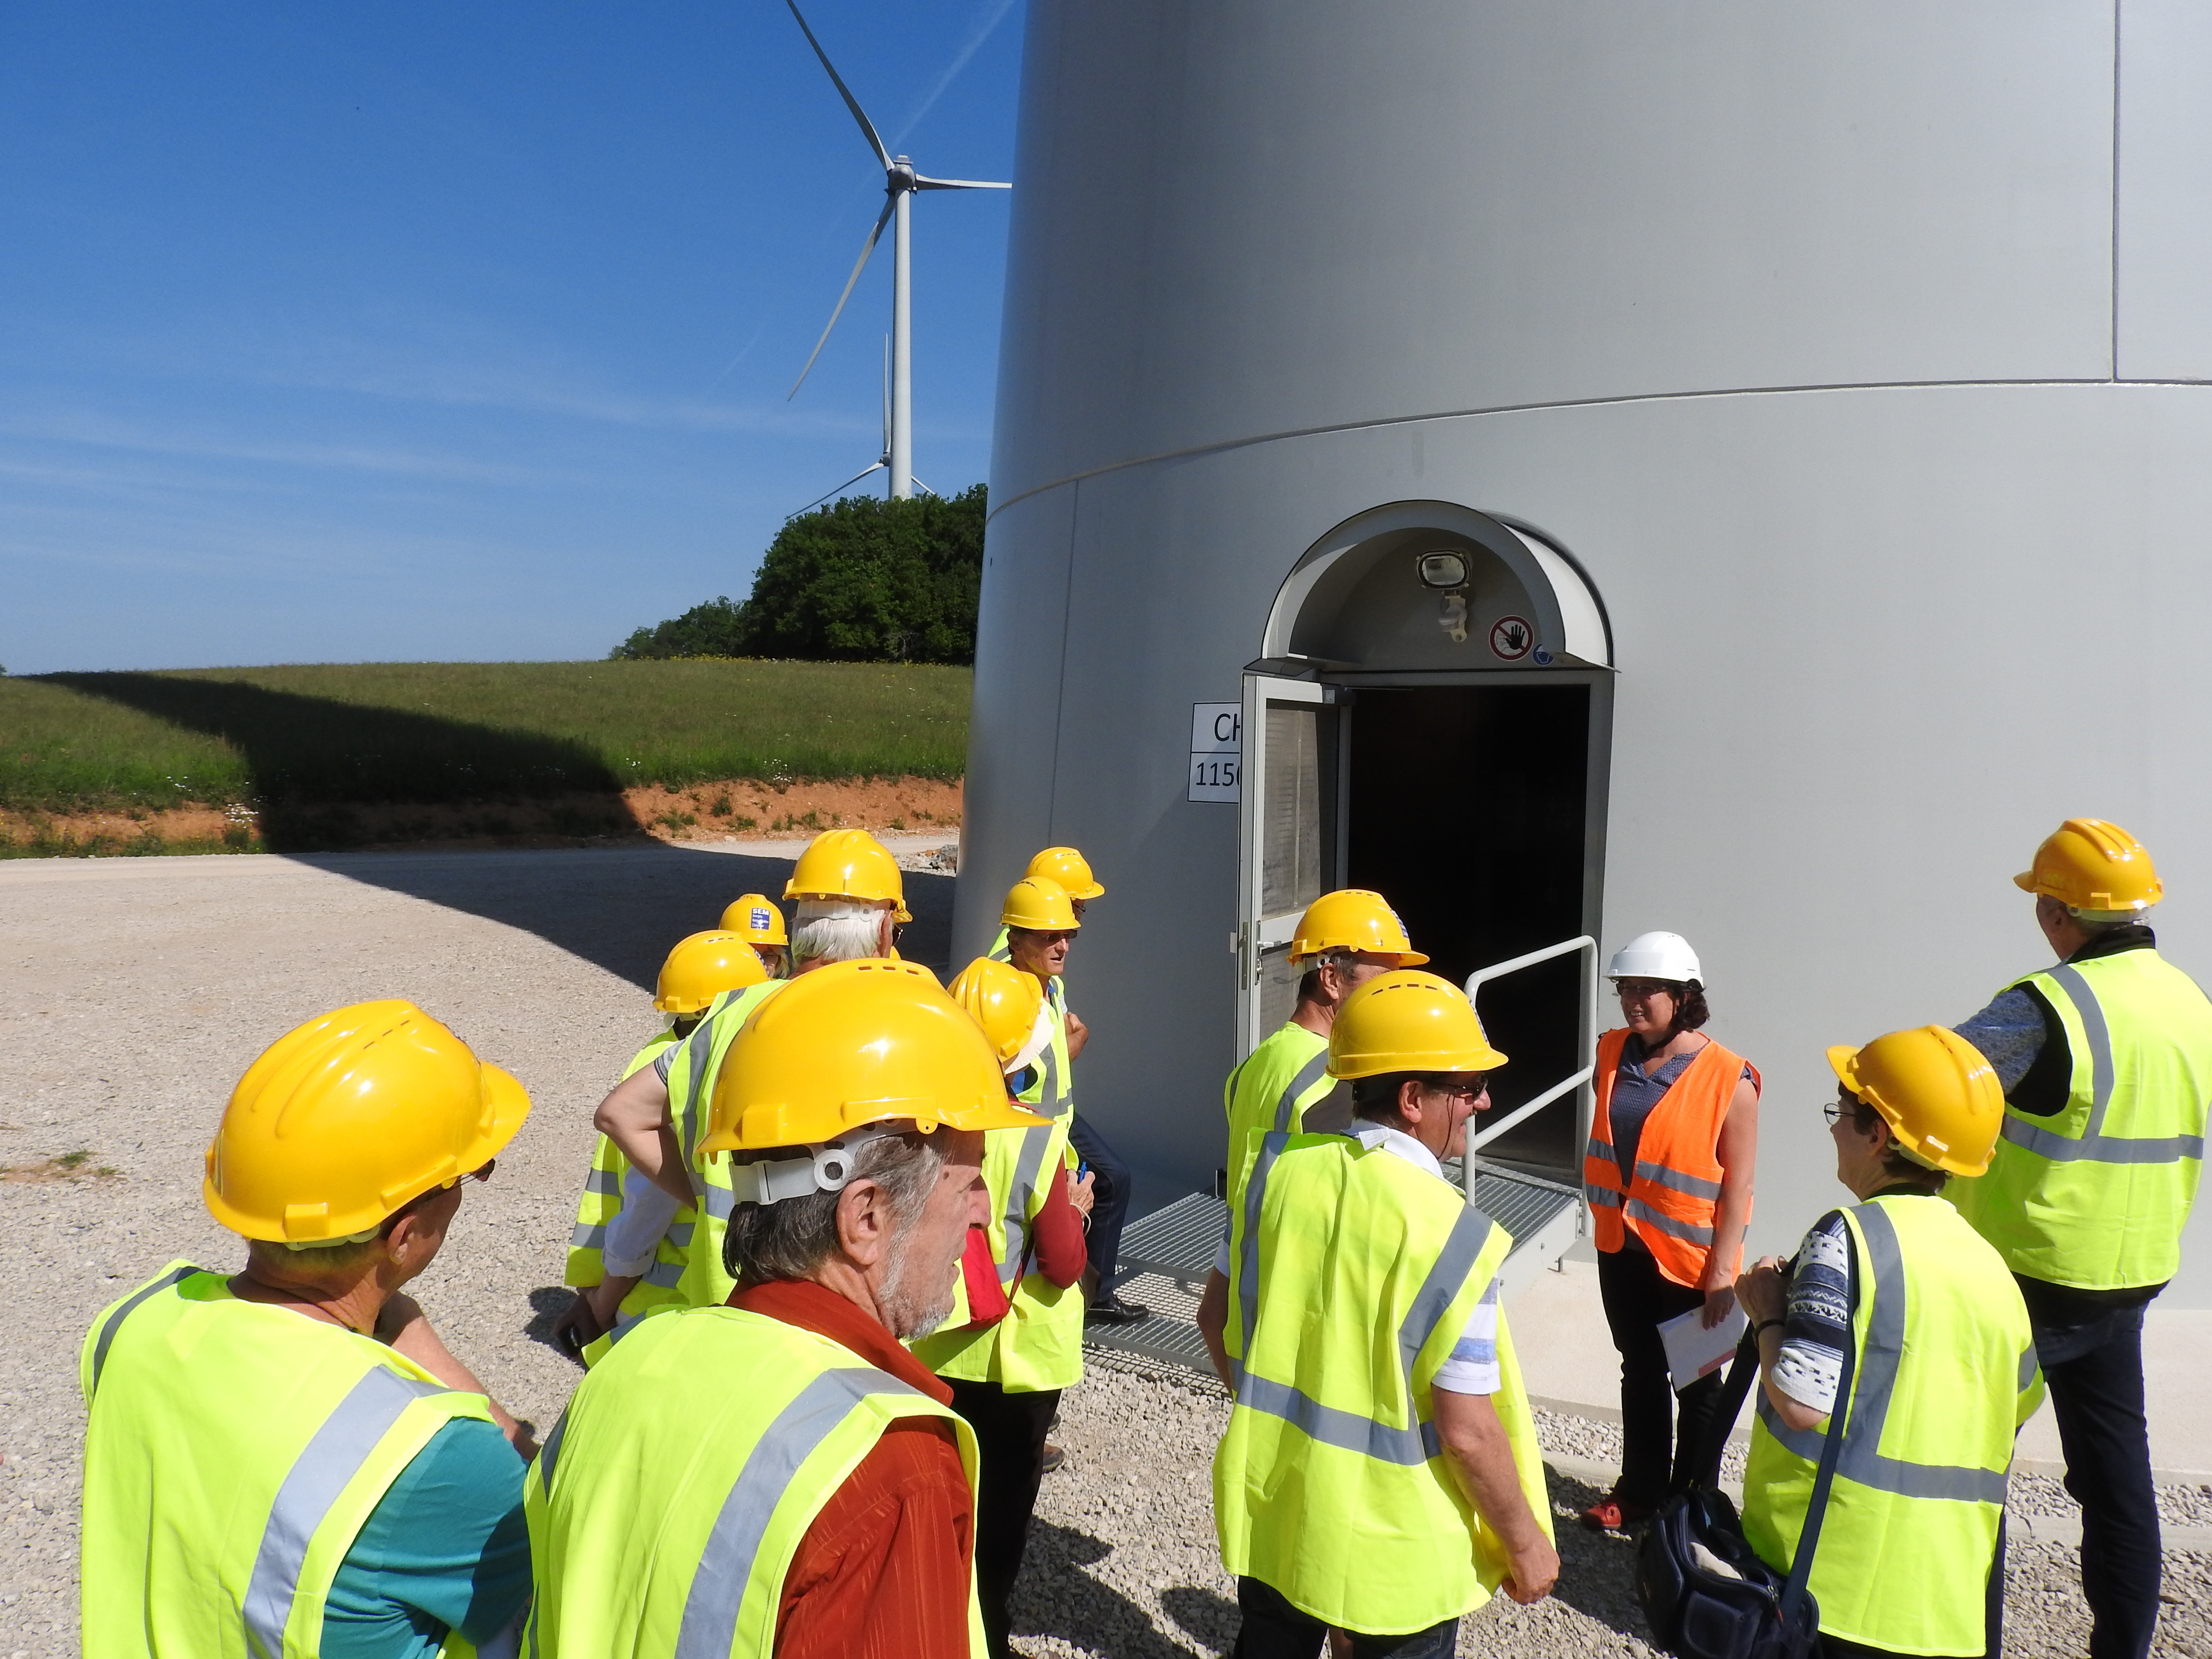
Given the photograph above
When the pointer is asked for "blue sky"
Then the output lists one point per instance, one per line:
(385, 332)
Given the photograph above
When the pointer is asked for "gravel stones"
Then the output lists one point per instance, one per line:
(134, 992)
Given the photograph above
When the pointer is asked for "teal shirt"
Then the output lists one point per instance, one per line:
(446, 1546)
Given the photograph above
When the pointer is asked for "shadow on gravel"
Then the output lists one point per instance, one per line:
(619, 908)
(1208, 1620)
(548, 1304)
(1053, 1597)
(1597, 1569)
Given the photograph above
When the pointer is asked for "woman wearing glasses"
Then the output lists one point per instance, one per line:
(1667, 1174)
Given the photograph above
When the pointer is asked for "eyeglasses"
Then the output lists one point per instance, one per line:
(483, 1174)
(1642, 990)
(1460, 1090)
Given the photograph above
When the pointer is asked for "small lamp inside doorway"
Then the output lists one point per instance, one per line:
(1445, 573)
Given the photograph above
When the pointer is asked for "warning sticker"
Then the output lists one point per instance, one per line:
(1511, 638)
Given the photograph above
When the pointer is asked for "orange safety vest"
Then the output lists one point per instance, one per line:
(1670, 1200)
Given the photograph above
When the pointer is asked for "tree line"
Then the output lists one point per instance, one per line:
(863, 581)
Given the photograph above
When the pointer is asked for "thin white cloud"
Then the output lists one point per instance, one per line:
(985, 26)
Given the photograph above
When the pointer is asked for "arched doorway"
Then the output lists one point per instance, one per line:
(1431, 718)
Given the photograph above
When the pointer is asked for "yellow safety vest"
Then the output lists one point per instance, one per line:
(2096, 1196)
(1272, 1089)
(598, 1206)
(234, 1451)
(1039, 1343)
(1352, 1276)
(701, 1281)
(670, 1497)
(1945, 1374)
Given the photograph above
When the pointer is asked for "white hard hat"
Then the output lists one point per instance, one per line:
(1655, 956)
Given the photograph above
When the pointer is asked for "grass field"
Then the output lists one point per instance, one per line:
(378, 732)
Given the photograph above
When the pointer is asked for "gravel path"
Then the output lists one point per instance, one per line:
(132, 993)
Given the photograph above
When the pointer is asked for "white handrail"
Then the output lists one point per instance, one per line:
(1587, 947)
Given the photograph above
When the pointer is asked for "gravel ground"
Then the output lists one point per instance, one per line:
(132, 993)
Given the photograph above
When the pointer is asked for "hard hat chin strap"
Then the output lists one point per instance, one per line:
(827, 1167)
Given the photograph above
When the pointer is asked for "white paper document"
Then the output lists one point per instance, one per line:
(1692, 1350)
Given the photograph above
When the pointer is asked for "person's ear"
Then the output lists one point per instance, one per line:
(864, 1219)
(1409, 1100)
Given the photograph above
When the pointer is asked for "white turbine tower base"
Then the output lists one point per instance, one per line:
(900, 182)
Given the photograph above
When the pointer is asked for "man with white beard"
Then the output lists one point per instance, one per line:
(778, 1475)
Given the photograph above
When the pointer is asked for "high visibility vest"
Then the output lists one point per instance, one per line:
(656, 1530)
(1671, 1199)
(1945, 1373)
(2096, 1196)
(1039, 1344)
(1000, 950)
(234, 1451)
(1352, 1276)
(701, 1281)
(611, 1181)
(1273, 1087)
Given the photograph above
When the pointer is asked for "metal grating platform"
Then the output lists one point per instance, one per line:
(1167, 1254)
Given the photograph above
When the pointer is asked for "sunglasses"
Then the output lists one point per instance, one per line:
(483, 1174)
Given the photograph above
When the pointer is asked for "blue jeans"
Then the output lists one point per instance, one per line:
(2093, 1367)
(1273, 1629)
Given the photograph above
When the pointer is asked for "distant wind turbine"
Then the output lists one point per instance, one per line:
(900, 182)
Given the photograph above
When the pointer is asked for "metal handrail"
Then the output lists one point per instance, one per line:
(1587, 947)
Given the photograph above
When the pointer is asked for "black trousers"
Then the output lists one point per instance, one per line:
(1273, 1629)
(1010, 1449)
(1660, 1431)
(2093, 1368)
(1110, 1207)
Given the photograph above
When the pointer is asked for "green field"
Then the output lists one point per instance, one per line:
(451, 732)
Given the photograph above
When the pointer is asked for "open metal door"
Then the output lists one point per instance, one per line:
(1288, 837)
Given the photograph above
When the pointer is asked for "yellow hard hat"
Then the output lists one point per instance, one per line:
(755, 920)
(1353, 919)
(2091, 864)
(1039, 903)
(1940, 1097)
(347, 1117)
(852, 1044)
(848, 864)
(1004, 1001)
(1069, 869)
(702, 967)
(1408, 1021)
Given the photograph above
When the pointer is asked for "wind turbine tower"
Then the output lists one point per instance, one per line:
(900, 181)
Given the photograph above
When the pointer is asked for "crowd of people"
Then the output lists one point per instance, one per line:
(844, 1228)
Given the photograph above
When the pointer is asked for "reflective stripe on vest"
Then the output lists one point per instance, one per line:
(234, 1451)
(2093, 1144)
(1353, 1274)
(731, 1485)
(1387, 1442)
(1945, 1374)
(2095, 1195)
(1664, 1201)
(348, 1438)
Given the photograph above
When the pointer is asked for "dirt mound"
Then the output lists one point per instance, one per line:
(736, 809)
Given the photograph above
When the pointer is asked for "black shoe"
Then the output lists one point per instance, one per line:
(1053, 1457)
(1110, 1310)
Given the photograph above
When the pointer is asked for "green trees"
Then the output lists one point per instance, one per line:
(863, 581)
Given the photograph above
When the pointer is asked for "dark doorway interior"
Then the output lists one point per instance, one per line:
(1468, 811)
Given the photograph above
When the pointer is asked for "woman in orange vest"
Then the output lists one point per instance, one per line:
(1668, 1175)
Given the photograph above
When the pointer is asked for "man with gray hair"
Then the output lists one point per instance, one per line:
(850, 903)
(808, 1491)
(2107, 1063)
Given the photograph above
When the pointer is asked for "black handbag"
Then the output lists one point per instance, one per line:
(1697, 1612)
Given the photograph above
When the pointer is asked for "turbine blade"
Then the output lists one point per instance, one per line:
(867, 127)
(922, 487)
(921, 183)
(881, 219)
(847, 484)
